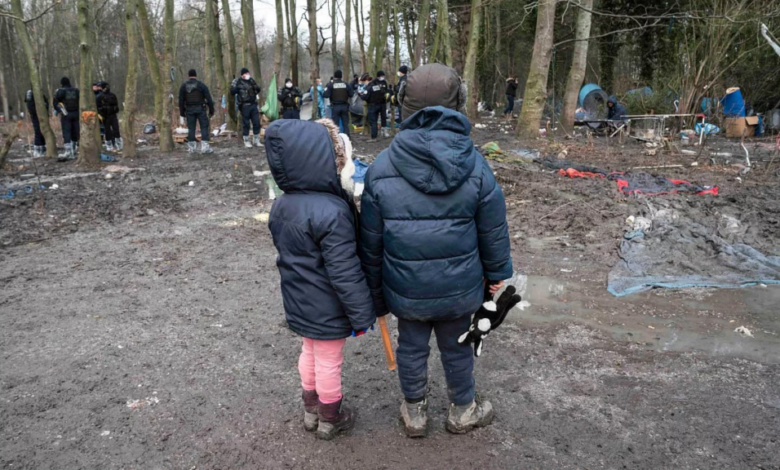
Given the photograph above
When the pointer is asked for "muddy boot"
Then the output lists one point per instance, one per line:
(257, 140)
(192, 147)
(462, 419)
(415, 418)
(310, 416)
(205, 147)
(247, 143)
(68, 154)
(334, 419)
(109, 146)
(119, 144)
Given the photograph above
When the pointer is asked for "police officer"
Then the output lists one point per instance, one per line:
(66, 104)
(403, 71)
(194, 97)
(108, 108)
(376, 95)
(290, 98)
(246, 89)
(39, 144)
(339, 94)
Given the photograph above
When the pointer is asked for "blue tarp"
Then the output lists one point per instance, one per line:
(360, 171)
(733, 104)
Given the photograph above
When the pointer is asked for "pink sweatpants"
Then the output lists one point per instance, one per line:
(320, 367)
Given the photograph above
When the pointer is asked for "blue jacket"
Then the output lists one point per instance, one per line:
(433, 221)
(617, 112)
(313, 225)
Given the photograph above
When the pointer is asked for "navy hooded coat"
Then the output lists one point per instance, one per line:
(617, 112)
(314, 229)
(433, 221)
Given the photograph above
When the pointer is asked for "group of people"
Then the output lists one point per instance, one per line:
(430, 245)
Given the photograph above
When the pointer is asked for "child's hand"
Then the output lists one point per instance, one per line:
(355, 334)
(495, 287)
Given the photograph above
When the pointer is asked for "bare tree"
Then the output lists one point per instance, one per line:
(250, 35)
(422, 25)
(35, 78)
(360, 27)
(89, 141)
(292, 35)
(131, 84)
(279, 43)
(348, 40)
(231, 40)
(469, 72)
(3, 89)
(536, 85)
(166, 74)
(578, 64)
(334, 33)
(311, 12)
(166, 139)
(442, 47)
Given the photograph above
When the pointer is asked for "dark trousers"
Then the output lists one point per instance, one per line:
(510, 104)
(39, 139)
(250, 115)
(457, 359)
(111, 124)
(374, 112)
(197, 116)
(340, 112)
(70, 127)
(291, 113)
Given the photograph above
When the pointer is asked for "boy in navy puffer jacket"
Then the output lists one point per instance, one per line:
(314, 228)
(433, 231)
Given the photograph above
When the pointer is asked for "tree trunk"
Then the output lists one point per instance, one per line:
(383, 16)
(166, 137)
(292, 34)
(409, 36)
(396, 40)
(35, 78)
(333, 33)
(156, 74)
(535, 94)
(89, 141)
(360, 27)
(469, 73)
(422, 25)
(348, 40)
(279, 44)
(216, 44)
(373, 35)
(442, 48)
(311, 8)
(232, 68)
(3, 89)
(208, 73)
(251, 36)
(578, 64)
(129, 150)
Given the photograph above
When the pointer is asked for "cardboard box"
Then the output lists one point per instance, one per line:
(736, 126)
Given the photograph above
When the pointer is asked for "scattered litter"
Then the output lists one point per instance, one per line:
(708, 128)
(120, 169)
(695, 164)
(567, 270)
(54, 186)
(651, 327)
(181, 131)
(480, 126)
(148, 401)
(524, 304)
(192, 183)
(744, 331)
(262, 217)
(109, 176)
(149, 128)
(261, 173)
(688, 152)
(217, 325)
(105, 433)
(141, 142)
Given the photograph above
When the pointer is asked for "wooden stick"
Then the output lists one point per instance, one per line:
(386, 342)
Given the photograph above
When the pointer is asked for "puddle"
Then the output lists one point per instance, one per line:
(664, 320)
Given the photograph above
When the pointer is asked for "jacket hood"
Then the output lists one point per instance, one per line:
(301, 157)
(433, 151)
(612, 99)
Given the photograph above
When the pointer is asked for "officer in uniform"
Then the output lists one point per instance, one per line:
(290, 97)
(376, 95)
(246, 89)
(66, 104)
(39, 144)
(194, 97)
(108, 108)
(339, 94)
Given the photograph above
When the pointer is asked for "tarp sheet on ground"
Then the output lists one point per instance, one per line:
(629, 182)
(671, 250)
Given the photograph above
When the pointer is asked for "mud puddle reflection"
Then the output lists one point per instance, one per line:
(664, 320)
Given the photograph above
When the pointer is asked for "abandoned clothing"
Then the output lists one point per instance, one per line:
(433, 221)
(313, 225)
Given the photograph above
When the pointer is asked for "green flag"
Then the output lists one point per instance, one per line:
(271, 106)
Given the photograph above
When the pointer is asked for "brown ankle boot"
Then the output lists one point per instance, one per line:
(310, 417)
(334, 419)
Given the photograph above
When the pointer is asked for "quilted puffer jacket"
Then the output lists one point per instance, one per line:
(433, 221)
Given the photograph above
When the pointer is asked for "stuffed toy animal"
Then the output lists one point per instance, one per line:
(489, 317)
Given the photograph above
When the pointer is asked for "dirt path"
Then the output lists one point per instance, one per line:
(141, 327)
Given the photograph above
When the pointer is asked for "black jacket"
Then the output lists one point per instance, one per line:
(107, 104)
(246, 90)
(313, 225)
(433, 221)
(339, 92)
(287, 97)
(67, 97)
(375, 92)
(194, 95)
(511, 88)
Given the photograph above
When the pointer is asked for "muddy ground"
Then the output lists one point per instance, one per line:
(141, 327)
